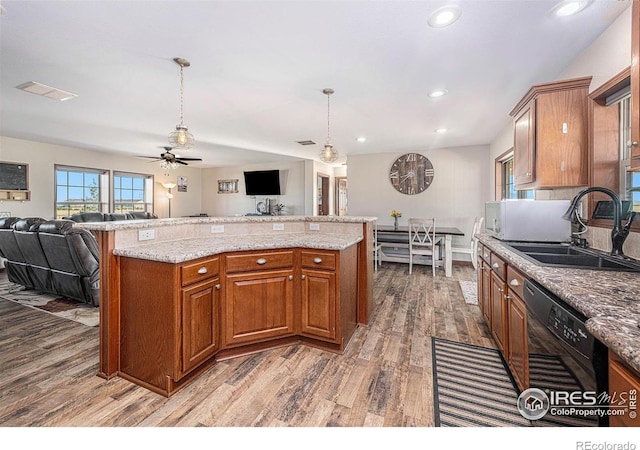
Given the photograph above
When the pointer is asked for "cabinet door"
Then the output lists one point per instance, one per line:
(319, 305)
(486, 292)
(518, 338)
(635, 86)
(623, 381)
(524, 145)
(498, 312)
(258, 305)
(200, 323)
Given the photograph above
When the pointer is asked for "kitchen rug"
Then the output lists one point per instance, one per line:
(470, 292)
(66, 308)
(473, 387)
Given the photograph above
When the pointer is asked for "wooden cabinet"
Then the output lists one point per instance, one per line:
(199, 307)
(259, 298)
(328, 295)
(524, 138)
(500, 288)
(517, 332)
(635, 86)
(170, 324)
(624, 386)
(484, 284)
(498, 312)
(551, 135)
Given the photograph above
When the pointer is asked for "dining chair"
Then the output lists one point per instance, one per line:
(423, 241)
(472, 248)
(376, 247)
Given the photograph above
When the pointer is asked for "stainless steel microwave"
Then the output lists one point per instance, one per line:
(528, 220)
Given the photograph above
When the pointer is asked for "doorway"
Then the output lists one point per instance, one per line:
(340, 196)
(323, 194)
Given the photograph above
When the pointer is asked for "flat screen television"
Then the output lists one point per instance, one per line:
(262, 182)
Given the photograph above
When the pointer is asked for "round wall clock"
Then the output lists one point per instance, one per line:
(411, 174)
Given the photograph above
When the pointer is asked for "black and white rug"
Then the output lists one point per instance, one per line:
(473, 387)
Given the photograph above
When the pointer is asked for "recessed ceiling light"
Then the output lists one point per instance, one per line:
(444, 16)
(441, 130)
(569, 7)
(438, 93)
(361, 139)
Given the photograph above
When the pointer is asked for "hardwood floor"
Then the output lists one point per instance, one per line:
(48, 369)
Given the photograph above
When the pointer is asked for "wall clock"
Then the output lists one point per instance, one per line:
(411, 174)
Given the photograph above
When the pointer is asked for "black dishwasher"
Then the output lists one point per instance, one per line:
(557, 332)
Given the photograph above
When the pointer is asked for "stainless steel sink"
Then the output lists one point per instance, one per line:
(564, 255)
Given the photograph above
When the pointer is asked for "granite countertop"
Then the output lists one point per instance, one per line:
(147, 223)
(609, 299)
(182, 250)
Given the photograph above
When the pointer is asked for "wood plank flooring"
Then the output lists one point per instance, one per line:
(48, 369)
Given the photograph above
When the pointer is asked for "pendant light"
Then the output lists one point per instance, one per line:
(181, 138)
(328, 154)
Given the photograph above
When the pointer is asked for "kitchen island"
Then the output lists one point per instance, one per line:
(179, 294)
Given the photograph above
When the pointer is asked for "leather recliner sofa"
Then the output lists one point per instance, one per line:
(51, 256)
(108, 217)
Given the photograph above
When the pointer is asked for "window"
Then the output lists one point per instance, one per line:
(505, 187)
(628, 180)
(80, 190)
(132, 192)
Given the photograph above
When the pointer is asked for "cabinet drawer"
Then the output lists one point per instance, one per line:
(498, 266)
(319, 260)
(515, 281)
(200, 270)
(259, 261)
(485, 254)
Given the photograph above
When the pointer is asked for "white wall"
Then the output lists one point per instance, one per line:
(456, 196)
(292, 179)
(42, 157)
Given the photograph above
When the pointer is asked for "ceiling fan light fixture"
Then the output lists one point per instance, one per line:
(181, 138)
(328, 154)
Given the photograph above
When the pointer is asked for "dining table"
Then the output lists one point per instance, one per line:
(390, 236)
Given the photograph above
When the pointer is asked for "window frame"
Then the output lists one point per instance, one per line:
(102, 205)
(502, 184)
(148, 193)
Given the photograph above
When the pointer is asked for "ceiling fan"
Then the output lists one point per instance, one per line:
(169, 159)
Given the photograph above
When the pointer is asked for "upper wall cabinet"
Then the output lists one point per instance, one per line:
(635, 86)
(551, 135)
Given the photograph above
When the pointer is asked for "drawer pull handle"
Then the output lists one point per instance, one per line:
(496, 265)
(217, 286)
(202, 270)
(514, 282)
(261, 261)
(291, 277)
(317, 260)
(304, 277)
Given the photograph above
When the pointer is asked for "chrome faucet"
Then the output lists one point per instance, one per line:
(619, 232)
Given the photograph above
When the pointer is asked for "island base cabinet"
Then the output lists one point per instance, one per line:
(258, 306)
(168, 325)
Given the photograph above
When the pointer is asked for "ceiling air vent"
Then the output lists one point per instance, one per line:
(306, 142)
(34, 87)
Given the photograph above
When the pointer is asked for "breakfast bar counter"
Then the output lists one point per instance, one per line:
(177, 295)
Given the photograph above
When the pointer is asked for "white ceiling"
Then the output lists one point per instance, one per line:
(258, 70)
